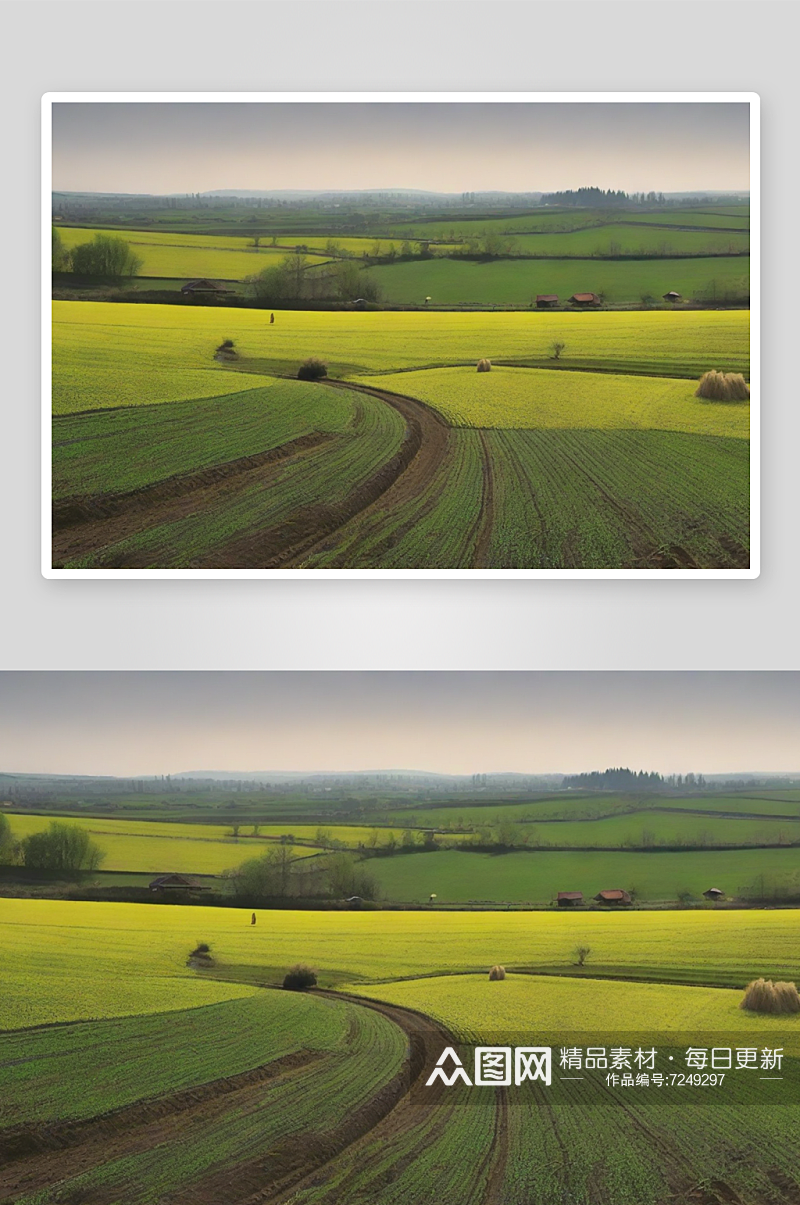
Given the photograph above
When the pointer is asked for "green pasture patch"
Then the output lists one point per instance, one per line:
(517, 282)
(536, 877)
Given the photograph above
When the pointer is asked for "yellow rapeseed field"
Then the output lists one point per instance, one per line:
(114, 950)
(540, 1005)
(107, 354)
(530, 398)
(161, 848)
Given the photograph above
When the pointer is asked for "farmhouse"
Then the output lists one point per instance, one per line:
(193, 288)
(546, 301)
(672, 296)
(567, 899)
(584, 299)
(714, 893)
(615, 896)
(176, 882)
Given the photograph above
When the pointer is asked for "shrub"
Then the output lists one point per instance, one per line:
(764, 996)
(556, 348)
(723, 387)
(202, 948)
(312, 369)
(64, 847)
(580, 954)
(106, 256)
(497, 973)
(484, 365)
(299, 977)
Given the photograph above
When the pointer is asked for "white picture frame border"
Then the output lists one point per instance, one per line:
(750, 98)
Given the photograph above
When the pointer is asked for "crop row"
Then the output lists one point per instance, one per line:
(114, 450)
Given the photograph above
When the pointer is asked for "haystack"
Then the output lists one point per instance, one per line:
(764, 996)
(723, 387)
(484, 365)
(497, 972)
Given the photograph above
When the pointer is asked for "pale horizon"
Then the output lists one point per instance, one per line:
(175, 148)
(136, 724)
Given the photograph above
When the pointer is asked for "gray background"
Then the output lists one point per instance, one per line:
(404, 46)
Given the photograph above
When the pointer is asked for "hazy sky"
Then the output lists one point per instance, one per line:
(191, 147)
(159, 723)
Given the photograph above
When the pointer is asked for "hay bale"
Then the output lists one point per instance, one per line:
(484, 365)
(764, 996)
(496, 973)
(723, 387)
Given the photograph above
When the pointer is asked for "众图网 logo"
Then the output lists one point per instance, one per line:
(494, 1067)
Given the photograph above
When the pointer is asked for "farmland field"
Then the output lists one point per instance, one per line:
(190, 1095)
(517, 281)
(614, 465)
(188, 256)
(535, 877)
(535, 399)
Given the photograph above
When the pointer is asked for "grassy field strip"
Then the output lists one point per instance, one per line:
(322, 477)
(476, 1009)
(565, 220)
(185, 256)
(349, 834)
(187, 436)
(639, 239)
(107, 354)
(460, 877)
(54, 950)
(588, 807)
(222, 1144)
(517, 281)
(40, 1069)
(438, 526)
(529, 398)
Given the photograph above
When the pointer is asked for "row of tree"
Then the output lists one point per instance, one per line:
(295, 280)
(279, 874)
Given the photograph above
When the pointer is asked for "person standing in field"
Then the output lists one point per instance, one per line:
(271, 318)
(253, 919)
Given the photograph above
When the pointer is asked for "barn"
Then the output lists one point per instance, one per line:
(546, 301)
(584, 299)
(568, 899)
(176, 882)
(614, 896)
(672, 296)
(714, 893)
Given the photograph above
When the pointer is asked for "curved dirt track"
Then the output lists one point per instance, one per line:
(82, 526)
(309, 528)
(33, 1158)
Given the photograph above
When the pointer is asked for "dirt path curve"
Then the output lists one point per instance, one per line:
(33, 1158)
(82, 526)
(405, 477)
(311, 1157)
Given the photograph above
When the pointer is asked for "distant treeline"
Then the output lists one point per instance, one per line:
(617, 779)
(602, 198)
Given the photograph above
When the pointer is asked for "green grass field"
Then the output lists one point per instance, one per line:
(517, 281)
(460, 877)
(187, 436)
(573, 219)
